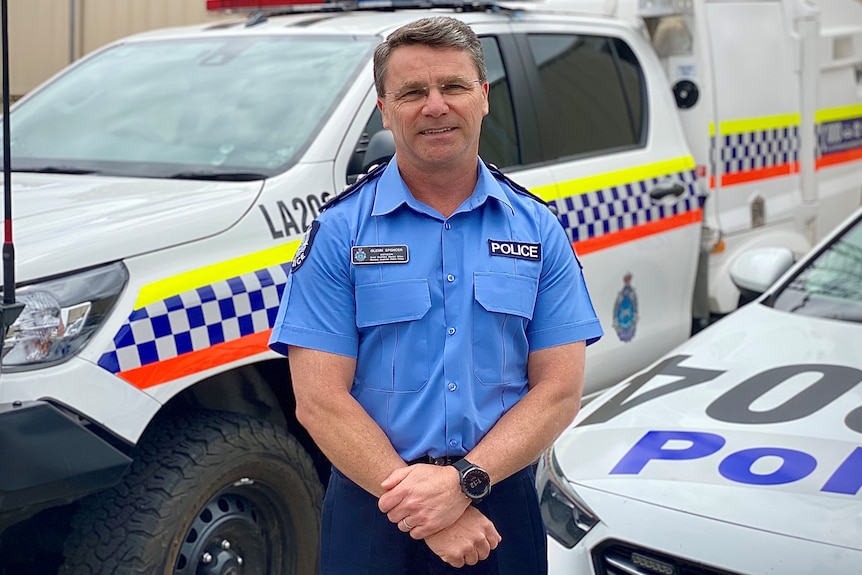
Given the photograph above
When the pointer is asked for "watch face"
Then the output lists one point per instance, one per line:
(476, 483)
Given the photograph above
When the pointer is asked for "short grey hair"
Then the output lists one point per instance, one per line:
(436, 32)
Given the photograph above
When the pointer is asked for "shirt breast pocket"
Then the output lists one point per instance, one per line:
(503, 309)
(393, 346)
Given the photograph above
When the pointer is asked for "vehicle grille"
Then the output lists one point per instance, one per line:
(617, 558)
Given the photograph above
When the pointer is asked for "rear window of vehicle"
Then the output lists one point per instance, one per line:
(242, 106)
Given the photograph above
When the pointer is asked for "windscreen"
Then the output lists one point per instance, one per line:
(830, 286)
(241, 107)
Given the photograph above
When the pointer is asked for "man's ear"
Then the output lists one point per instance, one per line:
(382, 113)
(486, 108)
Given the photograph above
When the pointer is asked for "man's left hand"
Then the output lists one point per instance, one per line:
(427, 496)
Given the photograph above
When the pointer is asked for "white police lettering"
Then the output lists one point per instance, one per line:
(521, 250)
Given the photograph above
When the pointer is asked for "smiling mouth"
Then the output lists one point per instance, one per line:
(436, 131)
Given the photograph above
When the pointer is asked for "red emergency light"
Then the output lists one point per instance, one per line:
(255, 4)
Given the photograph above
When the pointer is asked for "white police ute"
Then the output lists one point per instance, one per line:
(162, 186)
(740, 452)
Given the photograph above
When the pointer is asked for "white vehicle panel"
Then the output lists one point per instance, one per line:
(94, 393)
(663, 301)
(127, 210)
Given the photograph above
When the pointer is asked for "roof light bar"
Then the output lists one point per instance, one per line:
(214, 5)
(287, 6)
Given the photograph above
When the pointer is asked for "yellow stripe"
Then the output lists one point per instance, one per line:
(835, 114)
(615, 178)
(784, 120)
(757, 124)
(163, 289)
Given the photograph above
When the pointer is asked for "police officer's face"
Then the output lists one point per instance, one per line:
(434, 106)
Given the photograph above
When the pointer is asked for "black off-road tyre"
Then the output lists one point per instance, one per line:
(209, 493)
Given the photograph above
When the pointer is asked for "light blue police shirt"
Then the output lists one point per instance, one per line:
(440, 313)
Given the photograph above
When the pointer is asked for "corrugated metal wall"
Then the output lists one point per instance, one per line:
(46, 35)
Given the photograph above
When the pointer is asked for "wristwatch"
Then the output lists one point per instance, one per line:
(475, 481)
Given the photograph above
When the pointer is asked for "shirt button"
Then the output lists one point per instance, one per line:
(452, 386)
(451, 331)
(446, 225)
(453, 443)
(450, 278)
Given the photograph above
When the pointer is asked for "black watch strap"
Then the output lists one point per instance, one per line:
(462, 465)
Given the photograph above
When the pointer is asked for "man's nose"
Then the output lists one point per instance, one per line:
(435, 103)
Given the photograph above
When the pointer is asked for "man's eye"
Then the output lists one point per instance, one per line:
(413, 94)
(453, 88)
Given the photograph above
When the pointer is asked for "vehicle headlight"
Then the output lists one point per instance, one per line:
(60, 315)
(567, 518)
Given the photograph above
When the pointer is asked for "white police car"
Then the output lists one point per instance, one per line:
(740, 452)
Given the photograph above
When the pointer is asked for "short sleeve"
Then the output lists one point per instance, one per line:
(564, 311)
(317, 307)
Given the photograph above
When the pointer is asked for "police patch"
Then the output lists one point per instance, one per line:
(305, 247)
(520, 250)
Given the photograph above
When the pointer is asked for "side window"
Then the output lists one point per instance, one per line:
(499, 142)
(591, 94)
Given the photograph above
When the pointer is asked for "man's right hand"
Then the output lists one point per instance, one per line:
(467, 541)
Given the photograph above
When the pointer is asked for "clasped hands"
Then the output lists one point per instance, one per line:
(426, 501)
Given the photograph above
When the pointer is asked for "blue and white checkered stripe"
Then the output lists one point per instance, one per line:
(198, 319)
(759, 149)
(623, 206)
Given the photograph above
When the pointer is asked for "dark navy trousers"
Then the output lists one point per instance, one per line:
(358, 539)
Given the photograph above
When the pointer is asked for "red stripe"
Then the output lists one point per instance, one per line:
(190, 363)
(839, 158)
(251, 4)
(590, 245)
(786, 169)
(754, 175)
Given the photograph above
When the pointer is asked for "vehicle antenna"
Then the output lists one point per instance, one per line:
(9, 309)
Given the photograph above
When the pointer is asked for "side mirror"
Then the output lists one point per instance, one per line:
(381, 148)
(754, 270)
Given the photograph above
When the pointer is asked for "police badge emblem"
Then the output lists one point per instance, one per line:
(305, 247)
(626, 311)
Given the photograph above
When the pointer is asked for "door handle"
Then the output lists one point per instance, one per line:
(662, 191)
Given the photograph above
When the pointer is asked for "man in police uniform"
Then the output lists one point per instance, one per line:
(436, 320)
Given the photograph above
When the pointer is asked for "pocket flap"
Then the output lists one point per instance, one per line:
(506, 293)
(392, 302)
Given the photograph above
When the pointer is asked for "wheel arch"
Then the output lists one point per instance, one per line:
(262, 390)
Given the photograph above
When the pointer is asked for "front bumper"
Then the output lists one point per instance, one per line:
(664, 536)
(49, 458)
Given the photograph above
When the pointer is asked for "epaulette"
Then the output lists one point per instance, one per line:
(517, 187)
(363, 179)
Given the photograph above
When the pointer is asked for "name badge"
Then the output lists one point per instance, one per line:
(520, 250)
(367, 255)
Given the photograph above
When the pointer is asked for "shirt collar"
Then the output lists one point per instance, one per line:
(391, 191)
